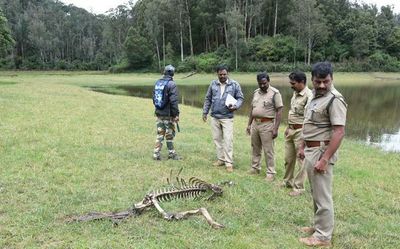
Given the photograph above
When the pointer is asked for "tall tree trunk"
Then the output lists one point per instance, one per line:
(190, 29)
(276, 17)
(245, 20)
(208, 46)
(226, 35)
(163, 43)
(309, 51)
(216, 39)
(249, 28)
(236, 50)
(158, 53)
(181, 32)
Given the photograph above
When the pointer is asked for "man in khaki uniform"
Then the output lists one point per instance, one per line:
(264, 120)
(302, 95)
(323, 131)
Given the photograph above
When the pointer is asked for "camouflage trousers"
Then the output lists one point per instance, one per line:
(165, 129)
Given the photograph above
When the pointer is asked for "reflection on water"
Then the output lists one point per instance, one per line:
(388, 142)
(373, 112)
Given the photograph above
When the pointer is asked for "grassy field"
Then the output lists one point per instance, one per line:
(106, 79)
(65, 150)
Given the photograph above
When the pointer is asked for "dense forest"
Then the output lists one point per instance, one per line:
(196, 35)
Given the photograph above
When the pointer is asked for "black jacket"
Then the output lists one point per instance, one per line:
(171, 109)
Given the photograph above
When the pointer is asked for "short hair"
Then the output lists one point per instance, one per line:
(322, 69)
(298, 76)
(221, 67)
(262, 75)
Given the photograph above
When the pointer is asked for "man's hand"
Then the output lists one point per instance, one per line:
(286, 132)
(176, 119)
(321, 166)
(232, 107)
(248, 129)
(205, 117)
(274, 134)
(300, 153)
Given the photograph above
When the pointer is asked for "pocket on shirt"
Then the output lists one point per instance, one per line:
(268, 104)
(318, 115)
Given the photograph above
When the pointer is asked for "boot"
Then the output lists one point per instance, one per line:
(174, 156)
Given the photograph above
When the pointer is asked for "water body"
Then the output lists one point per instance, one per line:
(373, 113)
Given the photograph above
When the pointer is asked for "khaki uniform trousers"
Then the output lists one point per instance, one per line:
(292, 144)
(222, 134)
(261, 139)
(321, 191)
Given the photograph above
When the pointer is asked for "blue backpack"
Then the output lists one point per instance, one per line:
(160, 96)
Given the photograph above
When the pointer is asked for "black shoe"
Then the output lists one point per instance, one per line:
(174, 156)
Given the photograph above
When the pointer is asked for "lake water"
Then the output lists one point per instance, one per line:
(373, 113)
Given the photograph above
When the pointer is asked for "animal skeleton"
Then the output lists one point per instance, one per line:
(194, 189)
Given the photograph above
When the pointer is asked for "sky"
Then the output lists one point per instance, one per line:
(379, 3)
(95, 6)
(101, 6)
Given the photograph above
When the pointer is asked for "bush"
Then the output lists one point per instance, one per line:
(189, 64)
(7, 63)
(121, 67)
(207, 62)
(62, 65)
(384, 62)
(32, 62)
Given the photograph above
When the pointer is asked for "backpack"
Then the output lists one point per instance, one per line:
(160, 96)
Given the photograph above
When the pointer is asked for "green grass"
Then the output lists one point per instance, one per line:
(65, 150)
(105, 79)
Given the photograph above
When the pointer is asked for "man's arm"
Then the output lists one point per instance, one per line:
(278, 117)
(174, 100)
(250, 120)
(336, 139)
(238, 96)
(207, 103)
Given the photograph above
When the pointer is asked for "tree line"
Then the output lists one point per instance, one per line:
(196, 35)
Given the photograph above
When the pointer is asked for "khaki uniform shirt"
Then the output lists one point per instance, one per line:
(265, 104)
(298, 104)
(322, 113)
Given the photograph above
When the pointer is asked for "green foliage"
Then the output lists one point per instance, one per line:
(6, 40)
(207, 62)
(138, 52)
(277, 49)
(384, 62)
(170, 57)
(189, 64)
(7, 63)
(51, 35)
(121, 67)
(393, 45)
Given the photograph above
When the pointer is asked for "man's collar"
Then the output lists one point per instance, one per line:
(226, 83)
(262, 92)
(302, 92)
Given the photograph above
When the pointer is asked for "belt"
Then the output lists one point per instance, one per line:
(310, 144)
(295, 126)
(263, 119)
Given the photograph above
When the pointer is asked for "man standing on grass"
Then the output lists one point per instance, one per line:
(302, 95)
(165, 99)
(263, 125)
(224, 96)
(323, 131)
